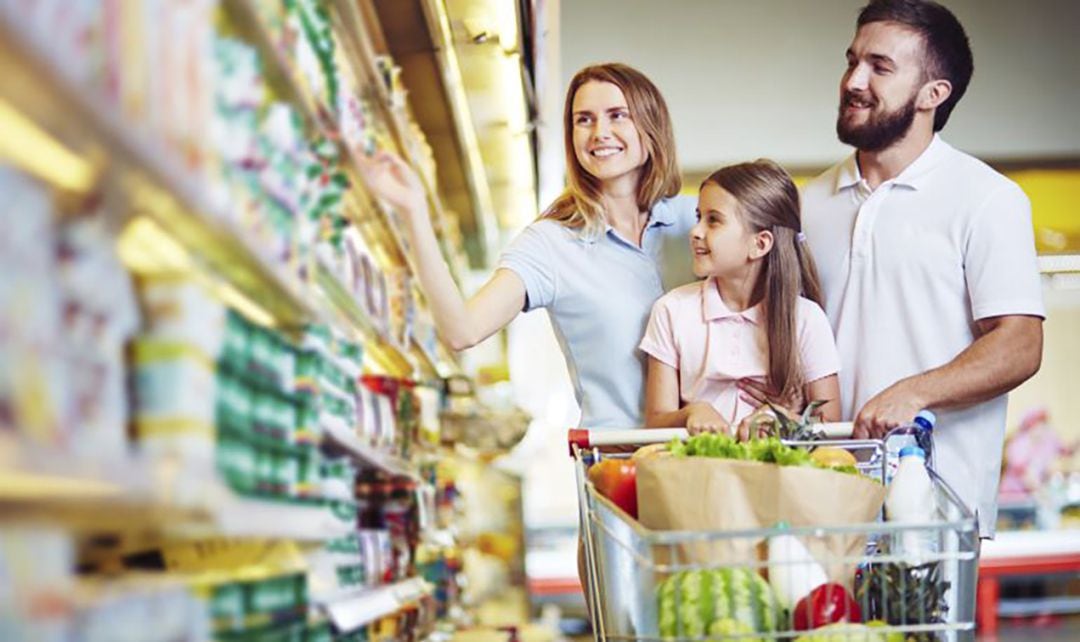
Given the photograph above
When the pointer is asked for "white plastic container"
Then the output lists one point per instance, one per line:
(793, 571)
(911, 500)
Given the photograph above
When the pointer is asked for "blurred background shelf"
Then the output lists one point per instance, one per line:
(139, 494)
(352, 610)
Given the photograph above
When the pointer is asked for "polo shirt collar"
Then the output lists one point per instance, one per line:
(913, 176)
(715, 309)
(659, 214)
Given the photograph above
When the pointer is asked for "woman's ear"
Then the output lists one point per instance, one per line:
(762, 244)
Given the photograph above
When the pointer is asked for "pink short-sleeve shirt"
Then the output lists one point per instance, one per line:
(712, 347)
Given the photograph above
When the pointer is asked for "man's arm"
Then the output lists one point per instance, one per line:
(1007, 352)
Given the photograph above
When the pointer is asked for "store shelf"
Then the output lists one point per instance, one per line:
(319, 117)
(386, 462)
(159, 185)
(419, 36)
(352, 610)
(382, 350)
(137, 494)
(386, 232)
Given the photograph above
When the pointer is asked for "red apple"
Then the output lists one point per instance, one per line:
(826, 604)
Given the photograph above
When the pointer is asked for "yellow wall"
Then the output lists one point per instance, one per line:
(1055, 201)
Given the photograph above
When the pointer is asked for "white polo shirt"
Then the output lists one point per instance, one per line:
(906, 270)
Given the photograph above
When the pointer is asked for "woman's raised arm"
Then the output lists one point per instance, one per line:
(461, 323)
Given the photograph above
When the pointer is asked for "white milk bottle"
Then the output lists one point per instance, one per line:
(911, 499)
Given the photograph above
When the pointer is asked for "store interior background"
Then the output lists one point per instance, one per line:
(484, 82)
(745, 80)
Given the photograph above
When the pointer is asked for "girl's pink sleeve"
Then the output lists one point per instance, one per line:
(817, 345)
(659, 339)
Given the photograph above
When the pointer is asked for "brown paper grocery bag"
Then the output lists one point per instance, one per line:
(706, 494)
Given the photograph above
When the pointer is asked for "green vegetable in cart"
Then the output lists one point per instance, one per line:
(717, 602)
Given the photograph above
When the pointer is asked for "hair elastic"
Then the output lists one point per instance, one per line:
(800, 237)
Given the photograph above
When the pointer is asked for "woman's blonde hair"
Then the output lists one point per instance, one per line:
(769, 200)
(580, 205)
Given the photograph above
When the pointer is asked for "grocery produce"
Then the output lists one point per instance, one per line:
(827, 604)
(833, 457)
(718, 602)
(845, 632)
(793, 571)
(650, 451)
(903, 594)
(779, 422)
(616, 479)
(767, 450)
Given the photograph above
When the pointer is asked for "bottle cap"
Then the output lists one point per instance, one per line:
(927, 419)
(912, 451)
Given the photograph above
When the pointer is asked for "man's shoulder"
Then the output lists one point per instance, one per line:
(980, 176)
(824, 184)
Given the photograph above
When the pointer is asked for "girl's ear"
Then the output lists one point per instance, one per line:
(762, 244)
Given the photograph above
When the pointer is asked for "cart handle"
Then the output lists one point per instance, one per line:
(585, 438)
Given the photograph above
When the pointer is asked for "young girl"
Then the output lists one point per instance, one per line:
(599, 256)
(756, 316)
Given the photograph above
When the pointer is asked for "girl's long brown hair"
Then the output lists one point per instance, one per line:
(580, 206)
(769, 200)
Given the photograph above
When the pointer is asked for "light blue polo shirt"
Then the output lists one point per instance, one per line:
(598, 295)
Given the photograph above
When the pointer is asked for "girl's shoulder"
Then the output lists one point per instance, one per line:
(683, 297)
(809, 314)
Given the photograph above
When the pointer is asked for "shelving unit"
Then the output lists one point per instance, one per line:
(168, 218)
(352, 610)
(140, 494)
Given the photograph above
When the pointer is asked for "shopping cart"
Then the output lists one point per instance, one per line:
(923, 598)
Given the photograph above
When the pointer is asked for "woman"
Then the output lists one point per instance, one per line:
(596, 259)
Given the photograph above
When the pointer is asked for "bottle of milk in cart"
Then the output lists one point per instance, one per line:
(911, 499)
(917, 433)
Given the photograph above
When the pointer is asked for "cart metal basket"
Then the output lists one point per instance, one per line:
(929, 596)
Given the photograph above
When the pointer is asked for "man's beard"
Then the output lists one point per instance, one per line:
(880, 131)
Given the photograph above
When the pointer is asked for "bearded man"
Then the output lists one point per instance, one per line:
(926, 255)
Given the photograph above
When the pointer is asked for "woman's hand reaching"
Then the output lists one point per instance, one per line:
(391, 179)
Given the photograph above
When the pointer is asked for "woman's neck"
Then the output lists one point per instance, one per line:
(621, 208)
(741, 291)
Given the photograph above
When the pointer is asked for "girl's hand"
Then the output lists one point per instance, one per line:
(391, 179)
(702, 417)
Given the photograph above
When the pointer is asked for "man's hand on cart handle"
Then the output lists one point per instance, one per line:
(889, 409)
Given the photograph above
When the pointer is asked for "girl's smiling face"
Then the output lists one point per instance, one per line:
(721, 243)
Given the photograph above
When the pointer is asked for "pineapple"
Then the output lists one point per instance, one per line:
(903, 594)
(779, 422)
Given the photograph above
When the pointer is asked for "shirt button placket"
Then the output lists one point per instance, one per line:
(865, 219)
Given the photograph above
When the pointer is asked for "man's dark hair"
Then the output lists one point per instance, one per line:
(946, 50)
